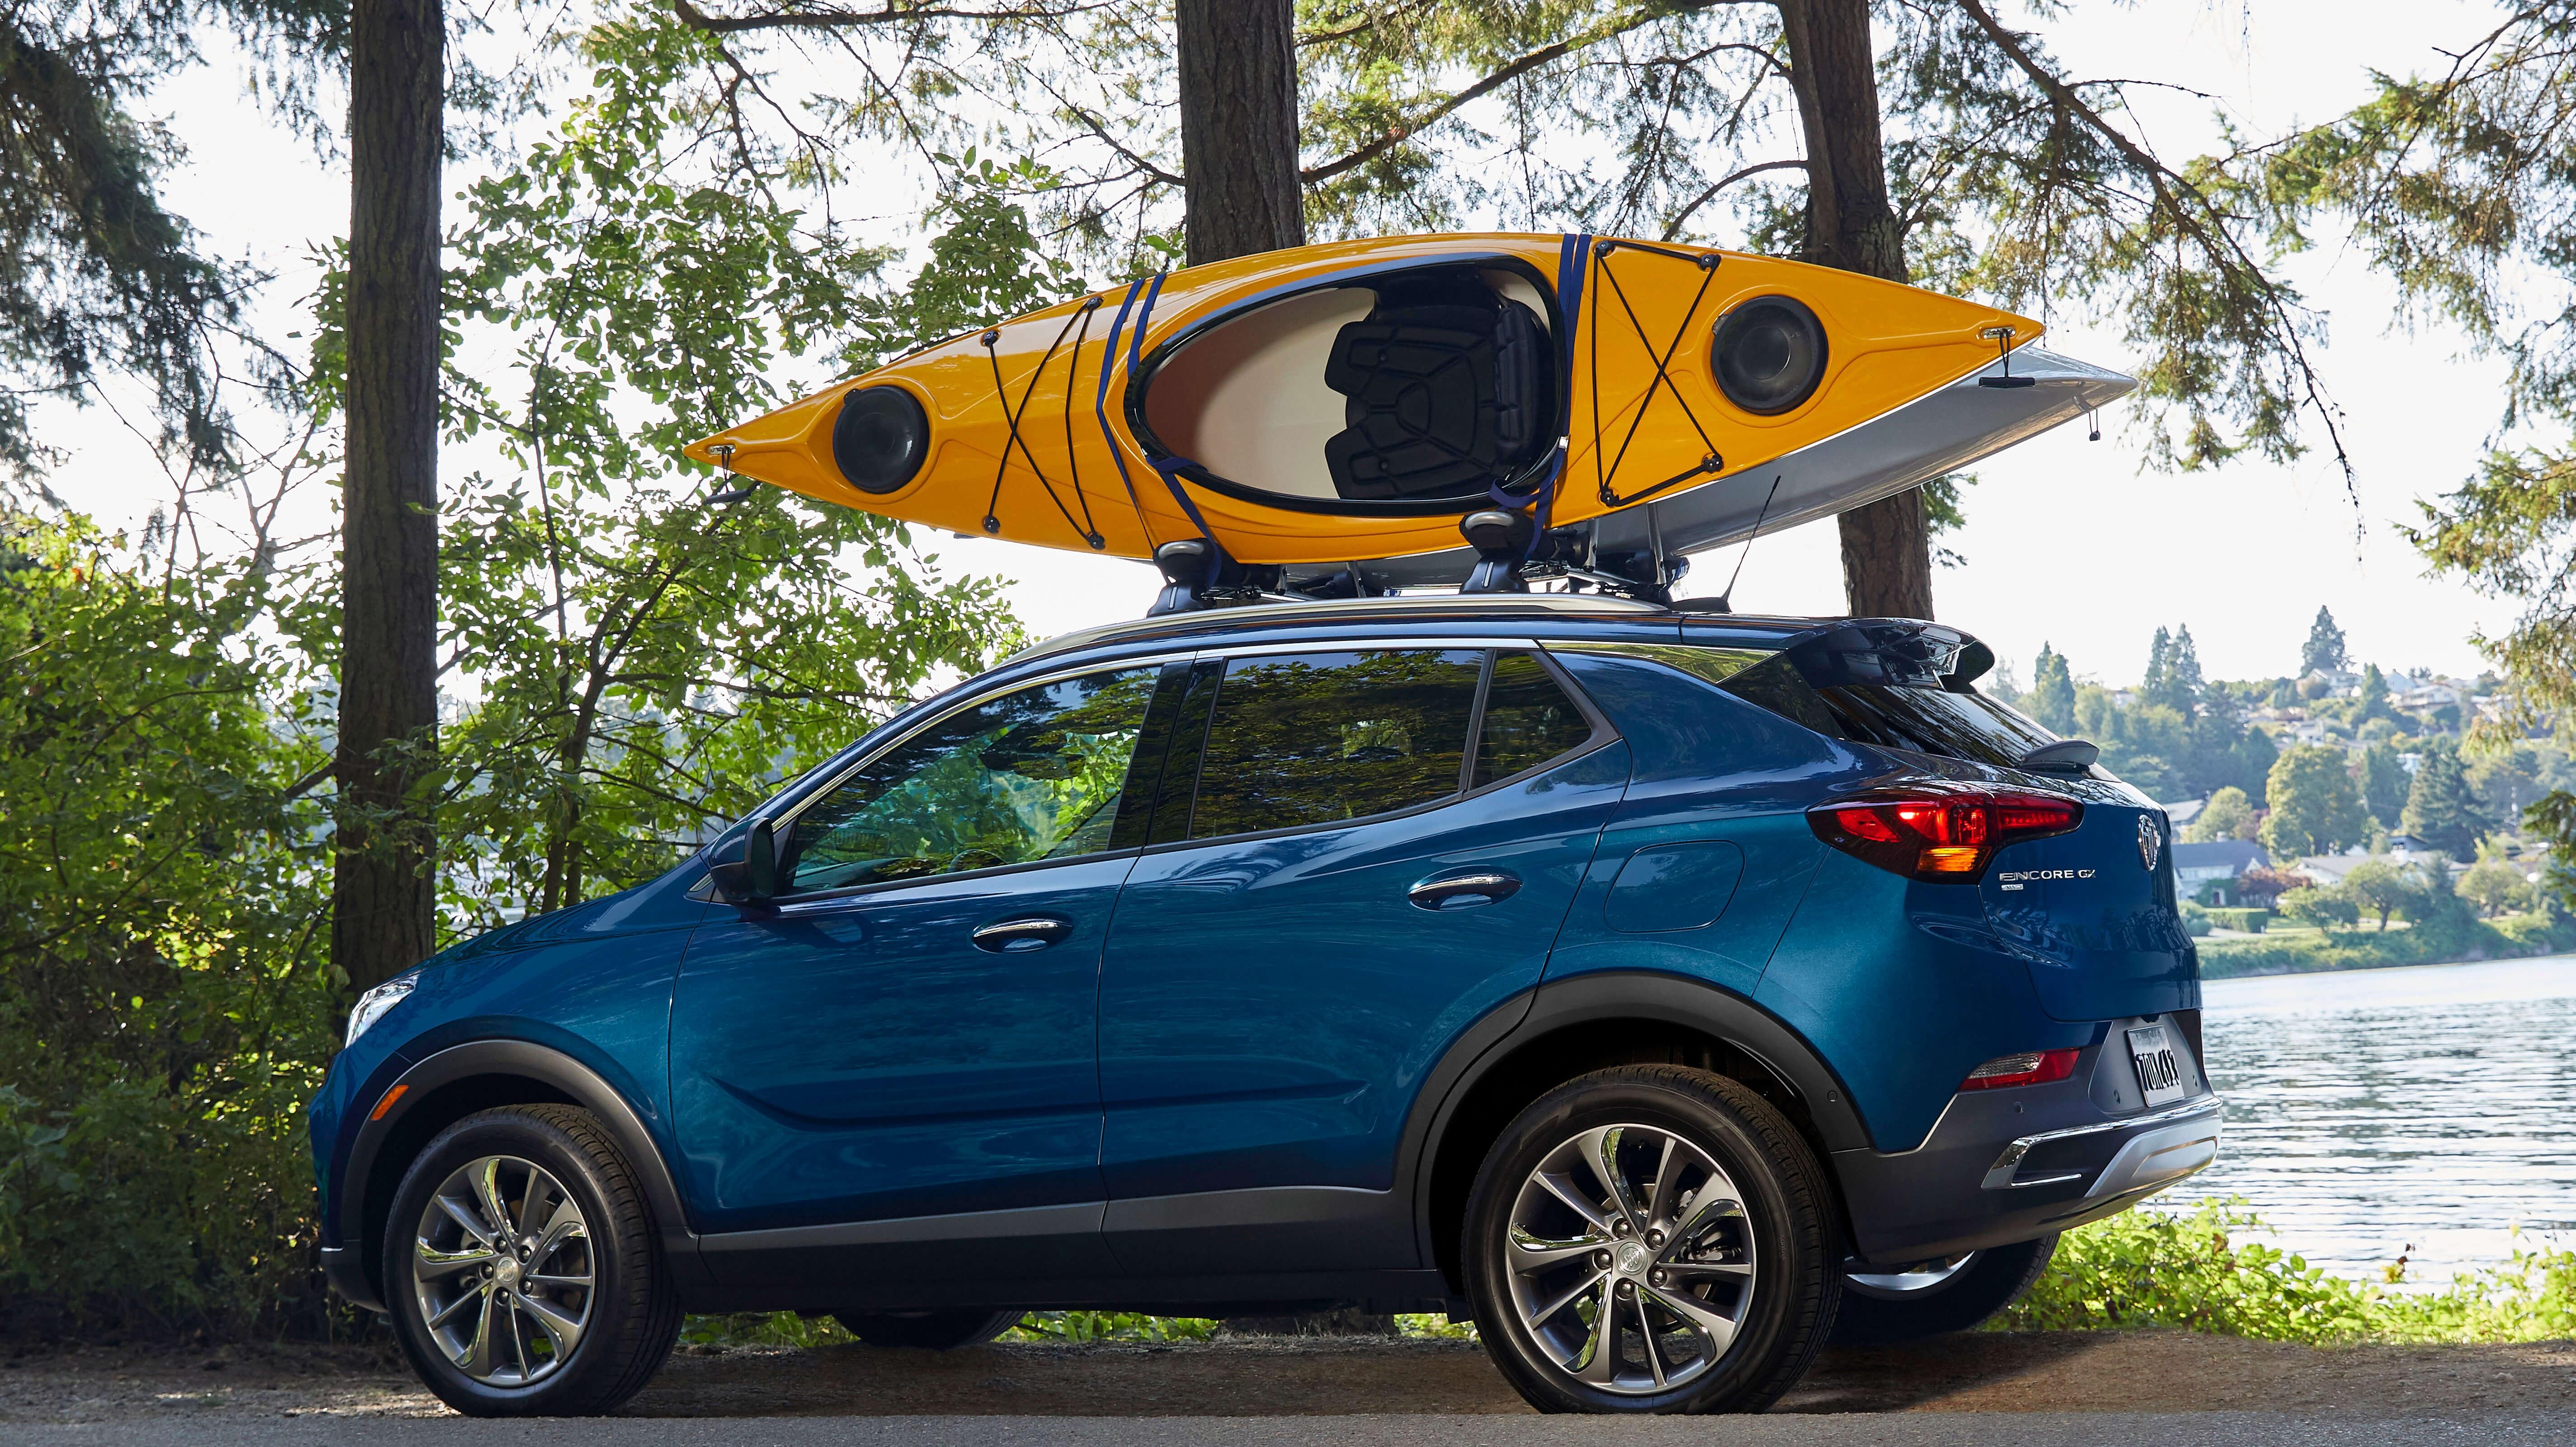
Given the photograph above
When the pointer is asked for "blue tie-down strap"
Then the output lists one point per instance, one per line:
(1573, 260)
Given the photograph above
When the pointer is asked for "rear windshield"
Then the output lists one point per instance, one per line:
(1899, 708)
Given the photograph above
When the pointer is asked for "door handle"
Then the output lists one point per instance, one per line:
(1018, 936)
(1464, 891)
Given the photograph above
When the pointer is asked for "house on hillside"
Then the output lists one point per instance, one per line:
(2208, 872)
(2181, 812)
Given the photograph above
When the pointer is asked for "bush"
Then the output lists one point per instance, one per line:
(2324, 908)
(2195, 919)
(2188, 1269)
(2247, 921)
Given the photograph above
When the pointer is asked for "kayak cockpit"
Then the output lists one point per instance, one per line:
(1418, 390)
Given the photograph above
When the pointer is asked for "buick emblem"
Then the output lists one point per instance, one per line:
(2151, 840)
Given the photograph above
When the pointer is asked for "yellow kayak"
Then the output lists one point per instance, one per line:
(1355, 400)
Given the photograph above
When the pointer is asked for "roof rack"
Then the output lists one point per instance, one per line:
(1332, 610)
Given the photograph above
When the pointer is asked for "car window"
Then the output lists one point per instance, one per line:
(1310, 738)
(1036, 774)
(1897, 711)
(1528, 720)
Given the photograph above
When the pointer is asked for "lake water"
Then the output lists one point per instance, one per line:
(2426, 1110)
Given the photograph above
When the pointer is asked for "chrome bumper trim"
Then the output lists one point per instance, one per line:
(1999, 1176)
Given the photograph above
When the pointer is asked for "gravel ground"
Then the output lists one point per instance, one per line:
(2056, 1372)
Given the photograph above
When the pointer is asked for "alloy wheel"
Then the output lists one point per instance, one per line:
(502, 1272)
(1630, 1259)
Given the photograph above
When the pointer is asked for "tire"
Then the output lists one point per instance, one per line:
(1724, 1315)
(1933, 1297)
(930, 1331)
(558, 1183)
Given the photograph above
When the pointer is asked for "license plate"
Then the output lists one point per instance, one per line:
(2159, 1074)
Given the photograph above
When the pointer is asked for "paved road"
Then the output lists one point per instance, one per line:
(1936, 1429)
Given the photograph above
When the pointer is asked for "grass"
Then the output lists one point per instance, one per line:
(2195, 1270)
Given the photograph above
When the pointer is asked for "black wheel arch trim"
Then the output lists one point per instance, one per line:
(578, 1082)
(1575, 1000)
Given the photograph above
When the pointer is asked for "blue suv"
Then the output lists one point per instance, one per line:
(1671, 991)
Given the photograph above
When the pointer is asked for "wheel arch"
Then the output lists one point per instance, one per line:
(460, 1080)
(1590, 1022)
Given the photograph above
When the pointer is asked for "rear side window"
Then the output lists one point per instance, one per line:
(1312, 738)
(1528, 720)
(1897, 709)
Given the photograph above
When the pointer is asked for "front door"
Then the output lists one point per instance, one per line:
(1354, 886)
(910, 1033)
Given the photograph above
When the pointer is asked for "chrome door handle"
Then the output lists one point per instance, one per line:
(1018, 936)
(1464, 891)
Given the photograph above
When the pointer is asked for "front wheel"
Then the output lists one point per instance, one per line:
(522, 1270)
(1651, 1239)
(1929, 1298)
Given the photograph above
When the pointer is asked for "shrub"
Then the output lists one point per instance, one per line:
(2248, 921)
(2195, 919)
(2323, 908)
(2189, 1269)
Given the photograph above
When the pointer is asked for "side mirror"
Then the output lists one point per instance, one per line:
(751, 878)
(760, 862)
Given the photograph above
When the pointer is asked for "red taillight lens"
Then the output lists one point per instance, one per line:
(2030, 1067)
(1940, 833)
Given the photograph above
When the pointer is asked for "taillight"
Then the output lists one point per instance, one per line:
(2030, 1067)
(1941, 833)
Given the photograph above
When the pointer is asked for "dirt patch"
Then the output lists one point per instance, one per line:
(2151, 1371)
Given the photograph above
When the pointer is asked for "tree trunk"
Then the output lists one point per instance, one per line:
(1887, 545)
(1238, 79)
(383, 896)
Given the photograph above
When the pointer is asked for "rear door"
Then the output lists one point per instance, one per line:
(1348, 887)
(2094, 912)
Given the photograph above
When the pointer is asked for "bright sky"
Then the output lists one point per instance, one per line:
(2067, 542)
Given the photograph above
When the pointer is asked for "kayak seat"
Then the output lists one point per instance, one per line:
(1444, 396)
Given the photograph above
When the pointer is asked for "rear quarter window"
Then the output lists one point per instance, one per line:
(1952, 723)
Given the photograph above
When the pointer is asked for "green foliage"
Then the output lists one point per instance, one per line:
(2315, 809)
(2322, 907)
(2441, 809)
(2244, 921)
(2191, 1269)
(2373, 701)
(2052, 691)
(2496, 887)
(1083, 1326)
(2227, 815)
(2441, 941)
(2324, 650)
(164, 1006)
(647, 669)
(2379, 887)
(2384, 783)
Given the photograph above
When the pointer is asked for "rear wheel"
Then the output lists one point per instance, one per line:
(1651, 1239)
(522, 1269)
(1928, 1298)
(935, 1331)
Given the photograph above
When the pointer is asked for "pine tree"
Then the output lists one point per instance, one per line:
(2374, 697)
(2441, 808)
(2324, 651)
(2173, 674)
(2052, 691)
(2214, 737)
(2255, 754)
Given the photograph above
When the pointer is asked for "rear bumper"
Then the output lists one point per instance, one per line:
(2011, 1165)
